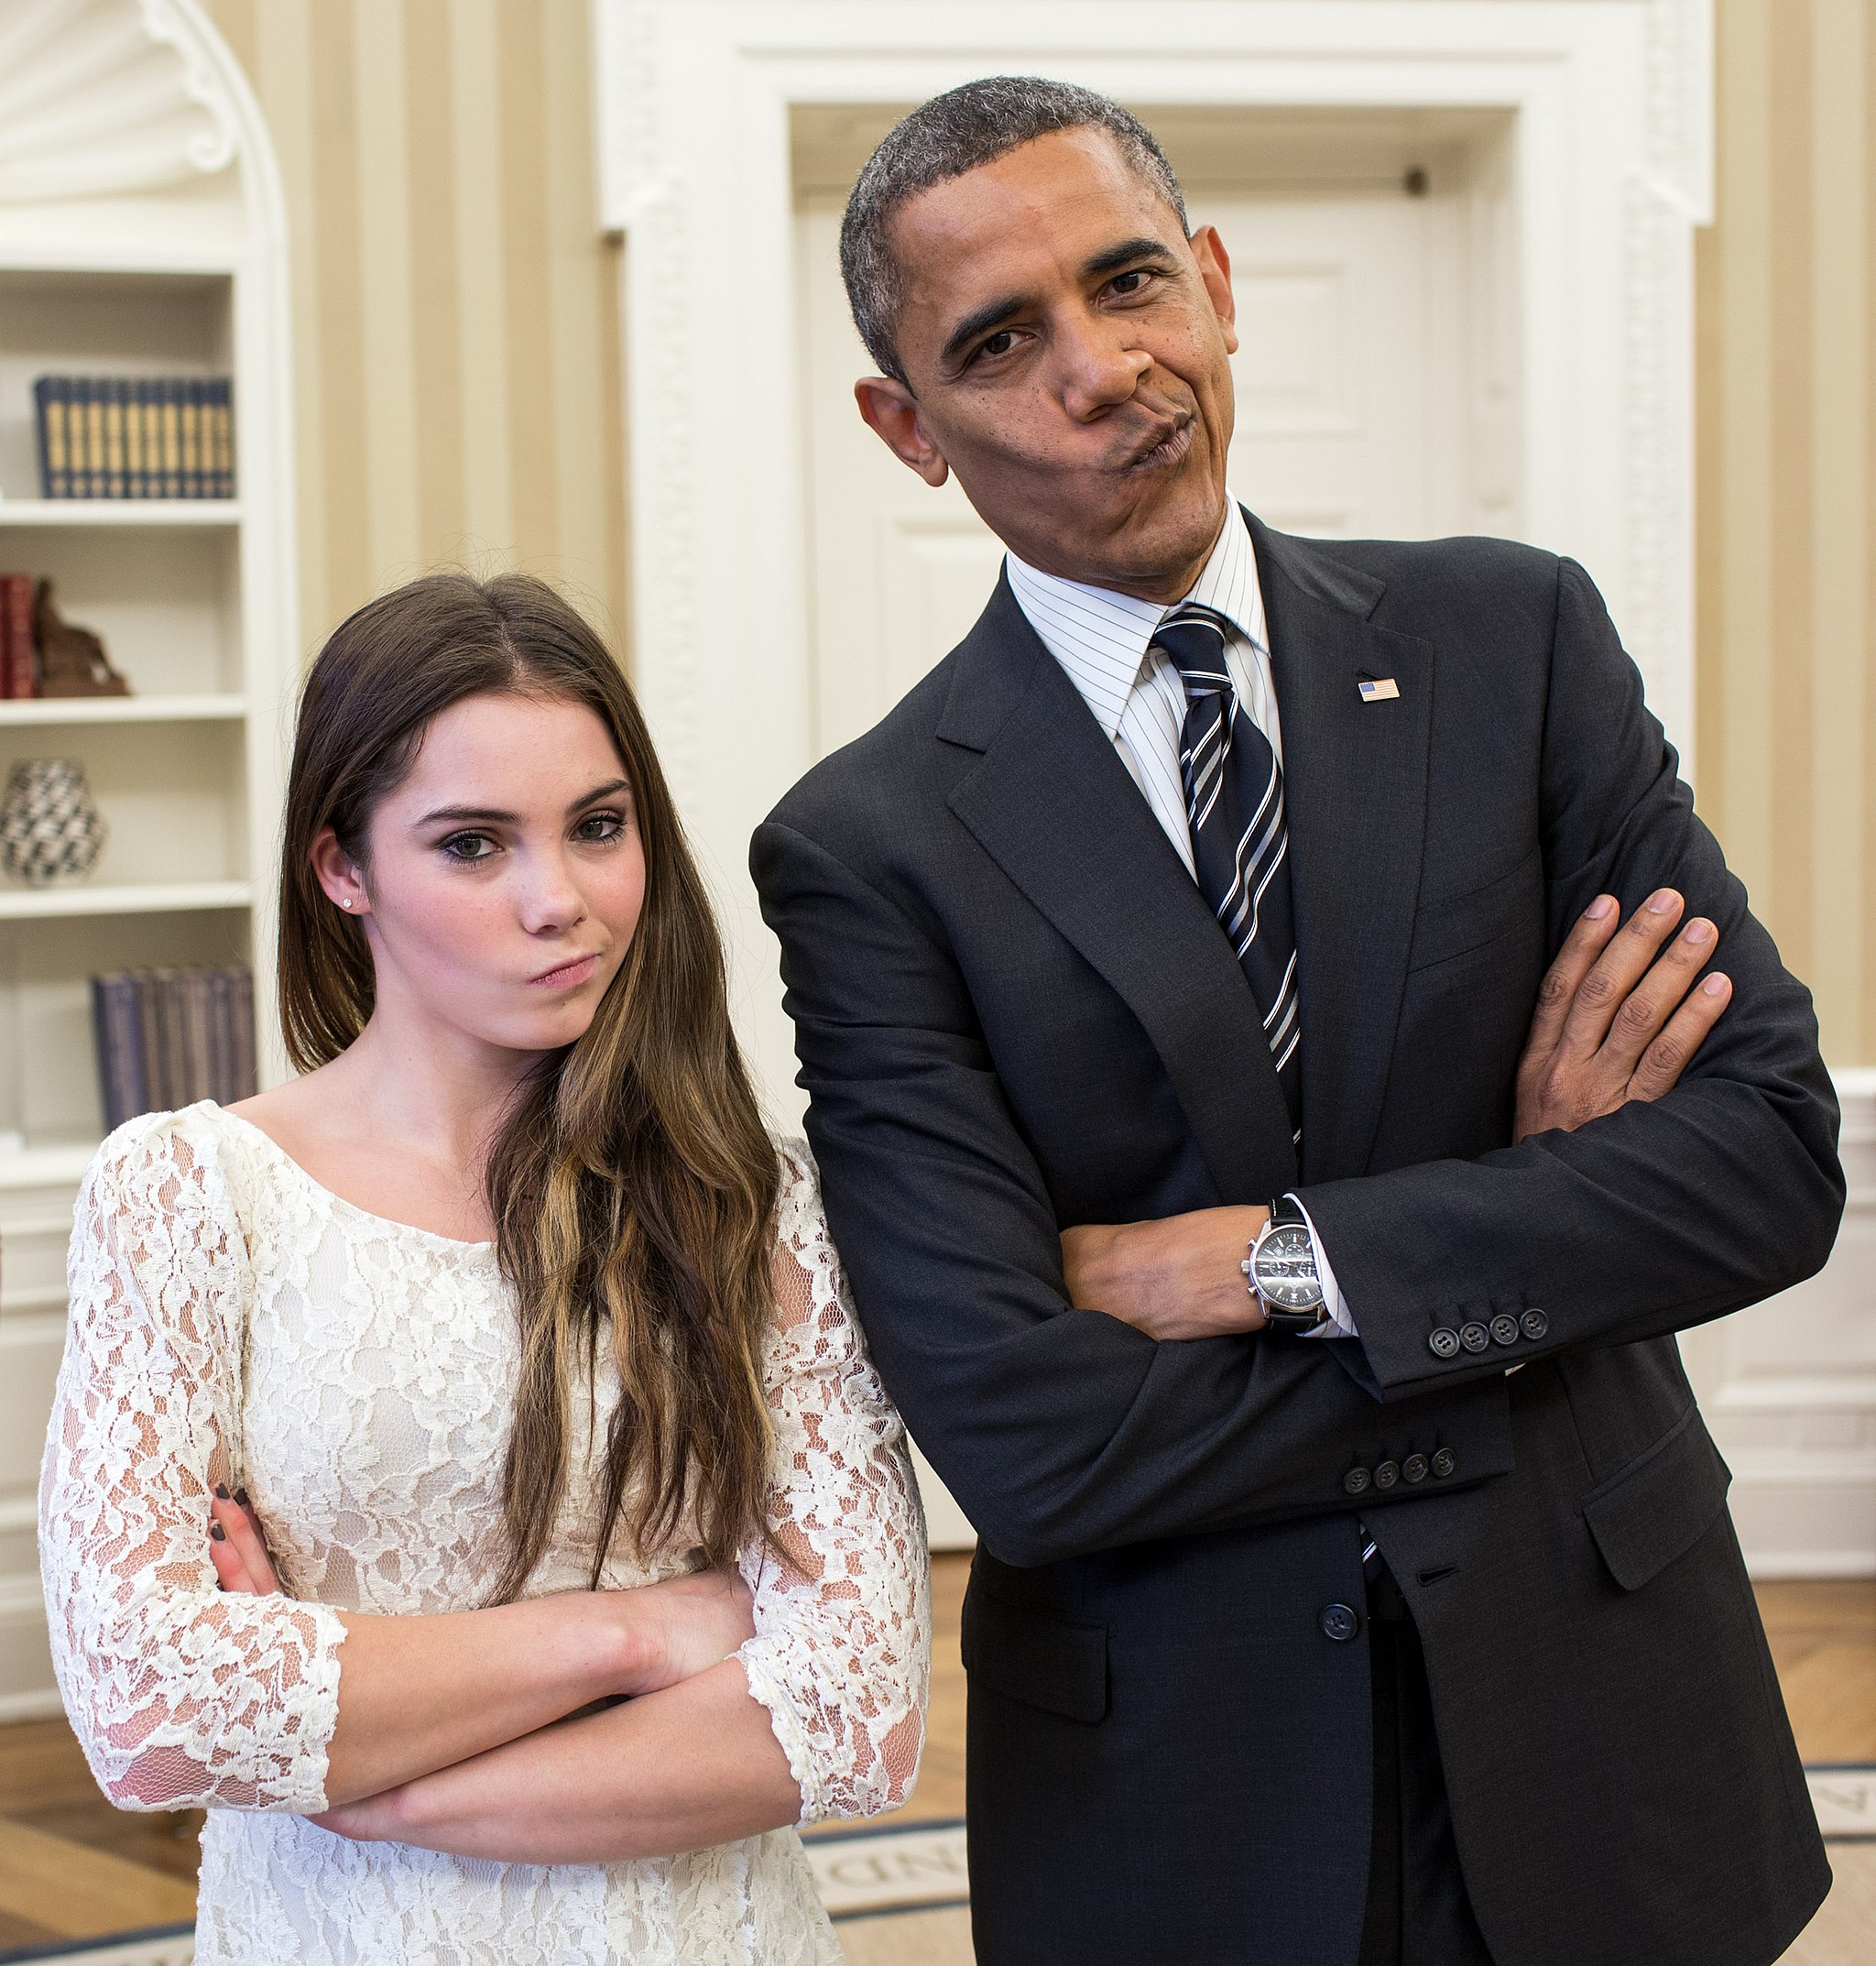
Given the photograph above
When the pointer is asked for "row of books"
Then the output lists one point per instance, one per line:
(19, 652)
(167, 1038)
(135, 436)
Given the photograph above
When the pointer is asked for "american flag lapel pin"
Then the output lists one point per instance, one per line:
(1382, 689)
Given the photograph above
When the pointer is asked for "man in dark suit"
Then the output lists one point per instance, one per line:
(1194, 913)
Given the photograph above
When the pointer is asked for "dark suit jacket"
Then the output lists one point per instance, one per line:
(1014, 1013)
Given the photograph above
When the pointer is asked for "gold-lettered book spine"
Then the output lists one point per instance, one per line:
(113, 440)
(94, 469)
(172, 441)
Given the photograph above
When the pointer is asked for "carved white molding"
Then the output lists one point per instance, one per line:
(101, 98)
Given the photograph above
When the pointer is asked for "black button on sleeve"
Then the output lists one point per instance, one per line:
(1535, 1325)
(1444, 1343)
(1475, 1337)
(1444, 1463)
(1413, 1469)
(1504, 1330)
(1340, 1623)
(1386, 1474)
(1354, 1482)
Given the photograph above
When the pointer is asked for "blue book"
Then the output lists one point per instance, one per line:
(122, 1079)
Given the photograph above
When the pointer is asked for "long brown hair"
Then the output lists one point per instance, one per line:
(632, 1184)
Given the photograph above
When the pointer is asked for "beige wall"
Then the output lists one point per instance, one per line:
(458, 370)
(1787, 492)
(455, 311)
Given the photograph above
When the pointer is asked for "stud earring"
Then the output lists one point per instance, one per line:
(344, 904)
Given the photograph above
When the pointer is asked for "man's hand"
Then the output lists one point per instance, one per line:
(1615, 1021)
(1176, 1278)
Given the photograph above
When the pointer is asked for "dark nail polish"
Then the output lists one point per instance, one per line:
(241, 1496)
(217, 1533)
(222, 1491)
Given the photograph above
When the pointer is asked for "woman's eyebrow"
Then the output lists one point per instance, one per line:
(490, 816)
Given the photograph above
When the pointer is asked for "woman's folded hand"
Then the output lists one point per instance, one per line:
(682, 1626)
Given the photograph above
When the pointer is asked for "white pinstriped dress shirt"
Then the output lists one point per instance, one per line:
(1102, 639)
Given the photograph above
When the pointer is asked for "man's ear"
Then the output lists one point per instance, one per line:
(892, 410)
(1214, 271)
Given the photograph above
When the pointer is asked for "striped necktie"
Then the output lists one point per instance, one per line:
(1241, 840)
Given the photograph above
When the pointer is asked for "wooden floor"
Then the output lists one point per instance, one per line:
(70, 1866)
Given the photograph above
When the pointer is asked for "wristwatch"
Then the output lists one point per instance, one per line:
(1281, 1271)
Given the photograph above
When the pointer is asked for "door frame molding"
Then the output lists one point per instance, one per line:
(1613, 107)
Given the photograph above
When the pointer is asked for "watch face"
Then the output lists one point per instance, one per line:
(1285, 1268)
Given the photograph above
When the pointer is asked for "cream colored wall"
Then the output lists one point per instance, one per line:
(456, 310)
(458, 401)
(1787, 491)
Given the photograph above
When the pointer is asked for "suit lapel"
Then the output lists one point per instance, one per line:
(1055, 806)
(1355, 778)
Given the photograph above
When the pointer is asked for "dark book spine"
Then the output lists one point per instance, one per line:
(241, 1032)
(120, 1050)
(199, 1073)
(148, 1038)
(18, 670)
(173, 1042)
(50, 404)
(170, 406)
(223, 394)
(221, 1051)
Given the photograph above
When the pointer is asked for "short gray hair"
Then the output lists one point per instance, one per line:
(944, 138)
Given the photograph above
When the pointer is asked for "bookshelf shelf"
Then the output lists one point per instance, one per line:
(202, 708)
(175, 897)
(155, 513)
(58, 1163)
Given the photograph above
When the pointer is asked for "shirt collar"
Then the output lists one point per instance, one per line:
(1101, 638)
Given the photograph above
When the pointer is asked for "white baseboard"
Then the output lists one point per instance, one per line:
(1789, 1390)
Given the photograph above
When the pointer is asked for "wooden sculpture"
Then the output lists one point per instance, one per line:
(72, 661)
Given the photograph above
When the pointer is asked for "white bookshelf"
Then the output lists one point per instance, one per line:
(152, 244)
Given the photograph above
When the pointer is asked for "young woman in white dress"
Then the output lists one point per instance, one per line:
(591, 1557)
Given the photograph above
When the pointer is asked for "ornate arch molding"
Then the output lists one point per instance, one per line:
(1612, 104)
(119, 98)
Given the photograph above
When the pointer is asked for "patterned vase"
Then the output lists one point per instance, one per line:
(49, 830)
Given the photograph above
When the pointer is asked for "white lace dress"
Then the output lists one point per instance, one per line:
(233, 1320)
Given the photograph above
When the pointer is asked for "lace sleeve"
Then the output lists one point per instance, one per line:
(181, 1697)
(841, 1651)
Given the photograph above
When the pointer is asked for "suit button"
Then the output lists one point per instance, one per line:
(1444, 1343)
(1475, 1337)
(1535, 1324)
(1413, 1469)
(1355, 1481)
(1504, 1330)
(1340, 1623)
(1444, 1463)
(1386, 1474)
